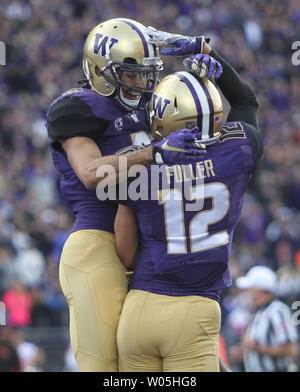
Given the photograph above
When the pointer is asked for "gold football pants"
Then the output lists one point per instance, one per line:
(94, 283)
(160, 333)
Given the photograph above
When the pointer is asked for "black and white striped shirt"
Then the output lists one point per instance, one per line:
(271, 325)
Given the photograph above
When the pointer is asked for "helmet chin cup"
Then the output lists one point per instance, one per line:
(127, 103)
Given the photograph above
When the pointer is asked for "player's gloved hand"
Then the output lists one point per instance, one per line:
(179, 147)
(176, 44)
(203, 65)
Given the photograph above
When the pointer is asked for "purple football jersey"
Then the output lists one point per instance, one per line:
(84, 112)
(185, 247)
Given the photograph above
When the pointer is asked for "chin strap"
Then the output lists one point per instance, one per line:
(129, 104)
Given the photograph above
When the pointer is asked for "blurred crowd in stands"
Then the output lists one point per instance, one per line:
(44, 41)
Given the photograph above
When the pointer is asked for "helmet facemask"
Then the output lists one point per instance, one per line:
(115, 73)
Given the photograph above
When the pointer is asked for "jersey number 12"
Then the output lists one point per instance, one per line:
(198, 231)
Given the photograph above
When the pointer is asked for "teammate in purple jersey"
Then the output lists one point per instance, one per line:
(87, 128)
(171, 316)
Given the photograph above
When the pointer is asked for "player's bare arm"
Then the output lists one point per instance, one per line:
(85, 158)
(80, 152)
(139, 157)
(126, 235)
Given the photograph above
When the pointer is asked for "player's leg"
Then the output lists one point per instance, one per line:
(137, 335)
(94, 283)
(195, 332)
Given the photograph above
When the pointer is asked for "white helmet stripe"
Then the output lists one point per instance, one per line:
(203, 101)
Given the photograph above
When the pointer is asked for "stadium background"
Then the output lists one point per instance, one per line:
(44, 41)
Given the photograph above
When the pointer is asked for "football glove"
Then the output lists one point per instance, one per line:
(179, 147)
(176, 44)
(203, 65)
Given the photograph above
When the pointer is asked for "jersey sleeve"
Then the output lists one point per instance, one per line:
(255, 140)
(71, 117)
(243, 102)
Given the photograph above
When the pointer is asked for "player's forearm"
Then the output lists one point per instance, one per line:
(128, 258)
(243, 102)
(126, 236)
(115, 167)
(235, 90)
(126, 253)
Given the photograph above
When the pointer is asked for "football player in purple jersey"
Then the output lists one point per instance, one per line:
(87, 127)
(170, 320)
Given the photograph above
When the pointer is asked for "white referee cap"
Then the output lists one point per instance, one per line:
(258, 277)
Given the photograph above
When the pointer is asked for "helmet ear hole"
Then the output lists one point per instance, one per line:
(175, 105)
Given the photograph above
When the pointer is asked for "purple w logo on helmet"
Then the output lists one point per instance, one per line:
(159, 106)
(101, 43)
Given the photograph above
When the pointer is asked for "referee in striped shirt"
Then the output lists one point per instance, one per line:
(271, 342)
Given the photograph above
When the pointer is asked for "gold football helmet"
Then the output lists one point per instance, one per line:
(115, 46)
(184, 101)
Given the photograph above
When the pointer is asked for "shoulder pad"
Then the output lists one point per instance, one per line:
(77, 112)
(102, 107)
(232, 130)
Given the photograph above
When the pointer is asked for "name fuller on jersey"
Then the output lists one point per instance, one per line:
(182, 173)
